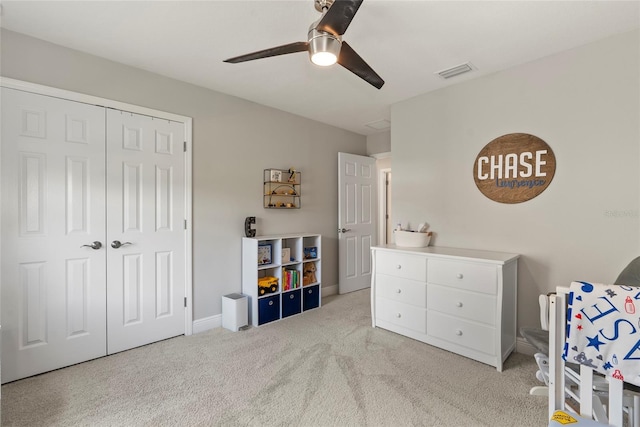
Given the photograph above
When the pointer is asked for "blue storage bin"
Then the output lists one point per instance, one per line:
(291, 303)
(268, 309)
(311, 297)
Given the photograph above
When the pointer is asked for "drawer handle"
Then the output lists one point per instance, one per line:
(291, 296)
(398, 266)
(270, 302)
(459, 304)
(458, 332)
(310, 291)
(399, 291)
(398, 315)
(459, 276)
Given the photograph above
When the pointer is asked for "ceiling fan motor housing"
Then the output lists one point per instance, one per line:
(323, 43)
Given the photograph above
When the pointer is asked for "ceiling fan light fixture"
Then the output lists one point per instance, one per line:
(324, 59)
(324, 48)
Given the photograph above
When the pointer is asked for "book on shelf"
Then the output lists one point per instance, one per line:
(290, 279)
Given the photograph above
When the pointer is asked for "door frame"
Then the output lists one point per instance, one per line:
(382, 197)
(382, 206)
(188, 123)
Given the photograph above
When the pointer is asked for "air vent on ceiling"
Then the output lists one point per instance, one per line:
(456, 71)
(379, 124)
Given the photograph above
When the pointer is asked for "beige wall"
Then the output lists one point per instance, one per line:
(379, 143)
(233, 141)
(585, 104)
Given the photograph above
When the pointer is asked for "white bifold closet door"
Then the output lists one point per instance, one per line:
(76, 178)
(53, 192)
(145, 213)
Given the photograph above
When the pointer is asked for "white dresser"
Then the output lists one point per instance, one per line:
(461, 300)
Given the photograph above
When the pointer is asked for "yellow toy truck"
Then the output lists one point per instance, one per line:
(267, 285)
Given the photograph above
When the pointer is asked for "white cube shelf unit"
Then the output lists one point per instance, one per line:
(298, 278)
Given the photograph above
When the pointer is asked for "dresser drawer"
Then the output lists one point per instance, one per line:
(458, 303)
(404, 265)
(464, 275)
(401, 290)
(461, 332)
(404, 315)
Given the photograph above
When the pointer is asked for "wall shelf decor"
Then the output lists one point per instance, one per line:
(281, 189)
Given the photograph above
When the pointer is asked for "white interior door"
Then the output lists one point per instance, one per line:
(53, 285)
(356, 220)
(146, 214)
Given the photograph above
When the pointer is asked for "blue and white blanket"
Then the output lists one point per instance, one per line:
(603, 329)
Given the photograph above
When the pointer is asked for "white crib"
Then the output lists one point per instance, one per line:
(586, 392)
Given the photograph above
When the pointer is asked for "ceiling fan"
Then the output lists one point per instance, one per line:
(324, 42)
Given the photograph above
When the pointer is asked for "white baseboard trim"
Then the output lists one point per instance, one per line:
(523, 346)
(328, 290)
(201, 325)
(211, 322)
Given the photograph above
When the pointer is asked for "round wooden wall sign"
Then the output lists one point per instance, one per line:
(514, 168)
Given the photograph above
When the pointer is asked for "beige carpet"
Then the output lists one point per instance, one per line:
(326, 367)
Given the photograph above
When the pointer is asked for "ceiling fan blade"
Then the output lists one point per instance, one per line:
(350, 60)
(274, 51)
(339, 16)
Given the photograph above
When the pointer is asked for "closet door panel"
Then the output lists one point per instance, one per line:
(145, 199)
(52, 198)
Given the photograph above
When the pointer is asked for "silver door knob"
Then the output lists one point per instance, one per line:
(343, 230)
(116, 244)
(95, 246)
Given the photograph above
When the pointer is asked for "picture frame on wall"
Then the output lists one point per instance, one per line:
(264, 253)
(275, 175)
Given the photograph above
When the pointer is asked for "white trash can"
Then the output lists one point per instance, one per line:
(235, 311)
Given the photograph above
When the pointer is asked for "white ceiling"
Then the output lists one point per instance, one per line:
(406, 42)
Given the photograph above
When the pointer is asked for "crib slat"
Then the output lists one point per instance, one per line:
(591, 405)
(557, 310)
(586, 391)
(615, 402)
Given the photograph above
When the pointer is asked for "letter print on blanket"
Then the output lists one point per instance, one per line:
(603, 329)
